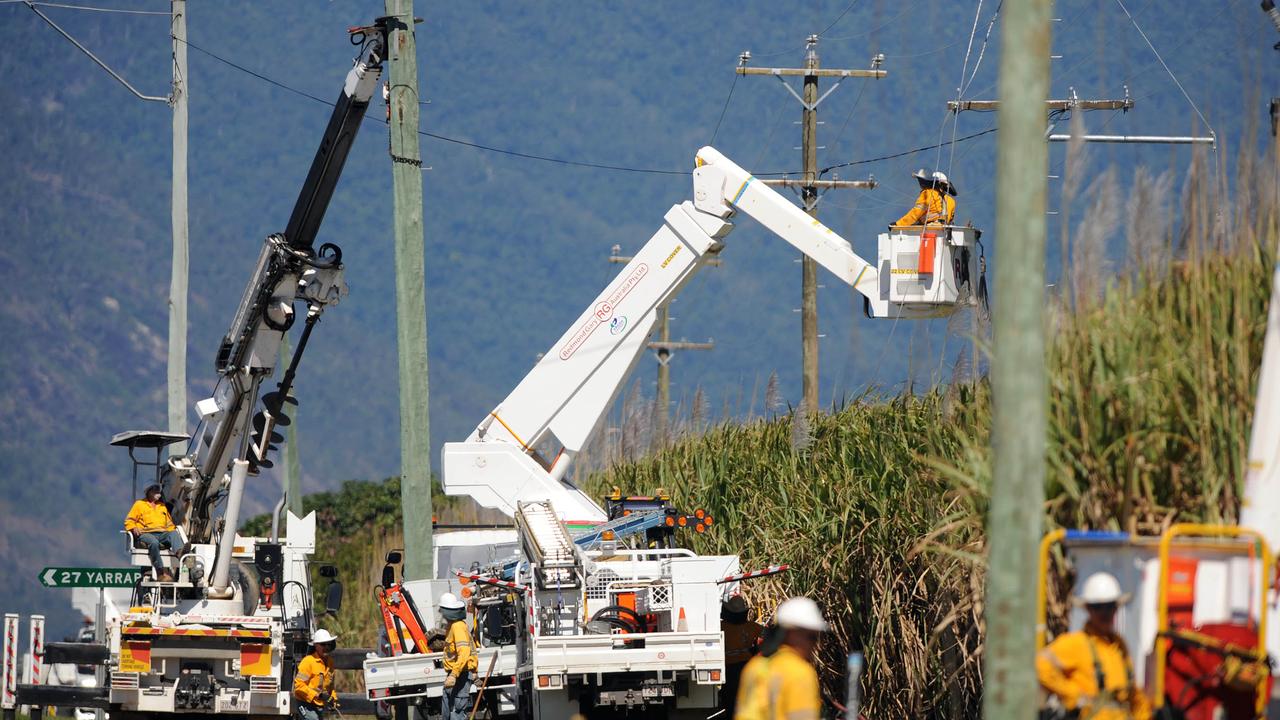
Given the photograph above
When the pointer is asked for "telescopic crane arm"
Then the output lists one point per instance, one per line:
(568, 391)
(289, 269)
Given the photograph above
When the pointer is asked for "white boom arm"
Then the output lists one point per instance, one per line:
(1261, 507)
(569, 390)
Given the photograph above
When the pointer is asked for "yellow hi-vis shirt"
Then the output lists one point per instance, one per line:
(314, 676)
(1075, 664)
(458, 655)
(148, 517)
(933, 207)
(781, 687)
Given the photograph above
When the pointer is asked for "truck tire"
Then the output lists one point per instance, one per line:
(245, 577)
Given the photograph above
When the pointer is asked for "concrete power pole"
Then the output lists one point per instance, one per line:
(411, 300)
(809, 186)
(1019, 383)
(177, 380)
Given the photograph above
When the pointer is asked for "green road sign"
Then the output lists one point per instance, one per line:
(66, 577)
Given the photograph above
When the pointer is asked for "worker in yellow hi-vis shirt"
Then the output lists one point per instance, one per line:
(784, 685)
(313, 680)
(936, 204)
(459, 660)
(1089, 671)
(152, 527)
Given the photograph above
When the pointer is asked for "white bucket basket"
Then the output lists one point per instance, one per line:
(907, 287)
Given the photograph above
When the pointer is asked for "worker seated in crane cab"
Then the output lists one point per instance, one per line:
(152, 527)
(936, 204)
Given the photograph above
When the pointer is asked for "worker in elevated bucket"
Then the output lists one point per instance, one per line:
(151, 526)
(782, 684)
(459, 660)
(313, 681)
(936, 204)
(741, 641)
(1089, 671)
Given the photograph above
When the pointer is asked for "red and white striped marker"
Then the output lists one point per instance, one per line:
(9, 683)
(491, 581)
(771, 570)
(35, 647)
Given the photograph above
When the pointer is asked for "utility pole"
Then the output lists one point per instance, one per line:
(1019, 382)
(663, 348)
(809, 186)
(411, 301)
(177, 374)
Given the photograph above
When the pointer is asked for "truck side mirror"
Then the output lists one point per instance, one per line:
(328, 571)
(394, 557)
(333, 598)
(388, 576)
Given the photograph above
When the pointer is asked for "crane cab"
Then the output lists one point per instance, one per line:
(926, 272)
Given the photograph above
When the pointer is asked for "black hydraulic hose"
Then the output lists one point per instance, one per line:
(611, 612)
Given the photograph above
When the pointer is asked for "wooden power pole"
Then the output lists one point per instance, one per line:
(1018, 376)
(177, 374)
(809, 186)
(411, 300)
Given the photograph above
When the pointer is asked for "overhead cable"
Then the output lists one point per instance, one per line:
(121, 11)
(851, 163)
(1166, 67)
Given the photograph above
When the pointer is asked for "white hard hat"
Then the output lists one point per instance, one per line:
(323, 636)
(449, 601)
(940, 176)
(801, 613)
(1101, 588)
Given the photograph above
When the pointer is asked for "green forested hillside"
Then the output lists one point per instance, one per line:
(515, 247)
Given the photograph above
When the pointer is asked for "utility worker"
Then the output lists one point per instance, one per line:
(784, 685)
(459, 660)
(936, 204)
(741, 641)
(151, 525)
(1089, 671)
(313, 681)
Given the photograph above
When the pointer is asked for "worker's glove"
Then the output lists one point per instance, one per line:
(450, 681)
(325, 697)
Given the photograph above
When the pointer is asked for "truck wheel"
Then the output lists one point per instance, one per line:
(246, 578)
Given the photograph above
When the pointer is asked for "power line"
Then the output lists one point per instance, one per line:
(121, 11)
(1166, 67)
(445, 138)
(725, 109)
(546, 158)
(838, 18)
(851, 163)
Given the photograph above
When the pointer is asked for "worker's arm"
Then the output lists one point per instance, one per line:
(915, 215)
(1054, 666)
(133, 521)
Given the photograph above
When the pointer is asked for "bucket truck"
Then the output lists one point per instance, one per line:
(592, 609)
(1203, 626)
(223, 636)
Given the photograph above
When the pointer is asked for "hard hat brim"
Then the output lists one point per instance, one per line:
(1082, 602)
